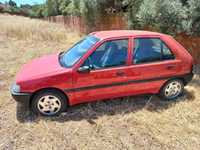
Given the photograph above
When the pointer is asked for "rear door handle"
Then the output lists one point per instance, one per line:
(170, 67)
(120, 73)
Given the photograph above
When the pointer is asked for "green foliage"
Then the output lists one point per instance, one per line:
(13, 10)
(192, 23)
(1, 9)
(184, 2)
(37, 11)
(133, 8)
(88, 10)
(63, 6)
(52, 8)
(73, 8)
(12, 3)
(170, 16)
(25, 10)
(165, 16)
(147, 13)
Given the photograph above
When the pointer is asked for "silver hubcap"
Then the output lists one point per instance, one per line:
(173, 89)
(49, 105)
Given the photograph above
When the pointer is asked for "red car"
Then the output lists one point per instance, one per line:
(104, 65)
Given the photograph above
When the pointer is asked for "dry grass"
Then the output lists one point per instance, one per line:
(32, 29)
(127, 123)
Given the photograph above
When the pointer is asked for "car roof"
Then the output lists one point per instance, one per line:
(123, 33)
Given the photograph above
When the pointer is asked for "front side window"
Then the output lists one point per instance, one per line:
(70, 57)
(109, 54)
(147, 50)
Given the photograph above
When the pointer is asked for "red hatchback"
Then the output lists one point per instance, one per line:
(104, 65)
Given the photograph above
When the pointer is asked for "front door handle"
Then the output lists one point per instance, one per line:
(120, 73)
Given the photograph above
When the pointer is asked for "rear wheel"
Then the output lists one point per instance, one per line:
(172, 89)
(49, 103)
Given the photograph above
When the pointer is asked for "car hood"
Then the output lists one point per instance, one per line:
(40, 67)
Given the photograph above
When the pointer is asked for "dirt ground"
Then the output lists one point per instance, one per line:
(139, 122)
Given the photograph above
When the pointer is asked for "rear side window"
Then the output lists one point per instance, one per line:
(147, 50)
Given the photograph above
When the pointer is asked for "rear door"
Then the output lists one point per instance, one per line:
(153, 63)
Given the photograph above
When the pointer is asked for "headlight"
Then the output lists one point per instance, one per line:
(16, 88)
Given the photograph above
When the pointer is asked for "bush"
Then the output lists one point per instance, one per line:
(52, 8)
(192, 24)
(12, 3)
(13, 10)
(73, 8)
(164, 16)
(147, 13)
(89, 13)
(63, 4)
(133, 7)
(171, 14)
(1, 9)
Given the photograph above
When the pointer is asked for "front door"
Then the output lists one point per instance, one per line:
(108, 64)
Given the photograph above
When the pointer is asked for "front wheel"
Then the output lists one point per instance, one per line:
(172, 89)
(49, 103)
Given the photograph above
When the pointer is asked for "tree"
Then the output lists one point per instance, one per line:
(184, 2)
(26, 6)
(73, 8)
(35, 11)
(63, 5)
(88, 10)
(12, 3)
(132, 7)
(147, 13)
(171, 13)
(192, 24)
(163, 16)
(1, 8)
(52, 8)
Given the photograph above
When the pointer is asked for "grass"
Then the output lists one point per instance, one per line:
(140, 122)
(32, 29)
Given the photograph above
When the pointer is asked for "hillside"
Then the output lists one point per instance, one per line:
(140, 122)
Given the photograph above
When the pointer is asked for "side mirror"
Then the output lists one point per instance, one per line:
(84, 69)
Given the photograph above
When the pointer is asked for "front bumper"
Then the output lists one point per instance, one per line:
(23, 98)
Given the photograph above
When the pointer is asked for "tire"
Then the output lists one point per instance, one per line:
(172, 89)
(49, 103)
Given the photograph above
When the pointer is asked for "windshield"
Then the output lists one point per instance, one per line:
(70, 57)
